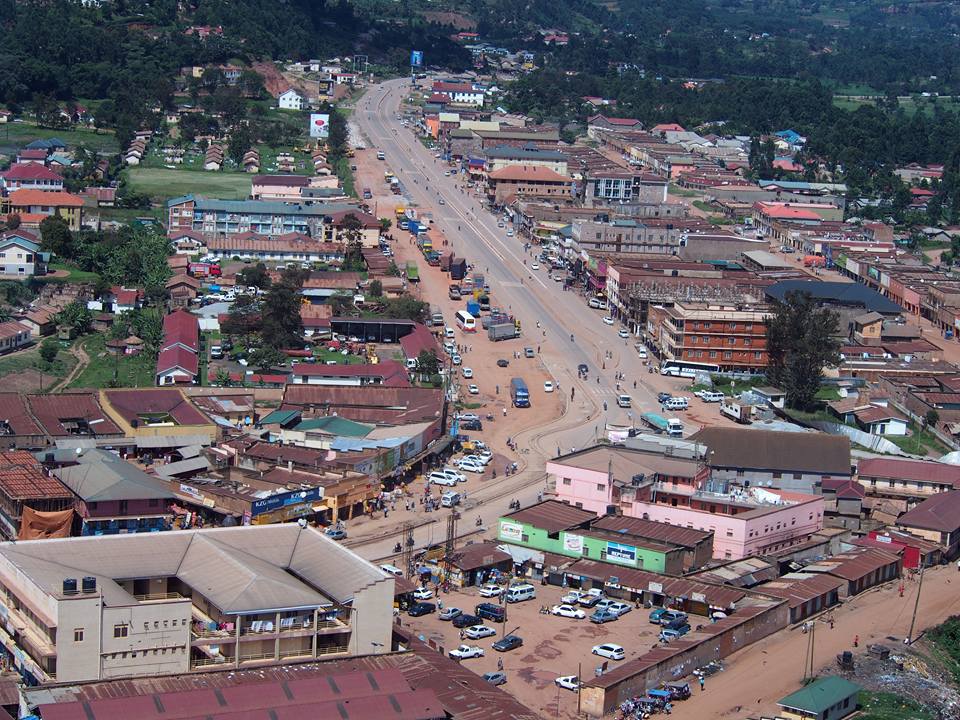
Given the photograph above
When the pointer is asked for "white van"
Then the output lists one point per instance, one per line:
(521, 592)
(623, 401)
(449, 333)
(597, 304)
(438, 478)
(708, 396)
(392, 569)
(450, 499)
(676, 403)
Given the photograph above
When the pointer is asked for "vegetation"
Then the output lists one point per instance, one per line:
(108, 368)
(801, 342)
(280, 324)
(945, 639)
(162, 183)
(890, 706)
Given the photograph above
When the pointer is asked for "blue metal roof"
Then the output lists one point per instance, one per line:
(841, 293)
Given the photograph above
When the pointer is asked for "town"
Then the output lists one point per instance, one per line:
(333, 388)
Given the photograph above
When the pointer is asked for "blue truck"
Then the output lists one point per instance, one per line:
(519, 393)
(473, 307)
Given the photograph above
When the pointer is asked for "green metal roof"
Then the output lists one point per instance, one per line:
(335, 426)
(281, 417)
(820, 695)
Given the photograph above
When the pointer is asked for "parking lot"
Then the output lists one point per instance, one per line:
(552, 646)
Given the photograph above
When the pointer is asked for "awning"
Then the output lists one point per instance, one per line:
(172, 441)
(222, 421)
(522, 554)
(190, 451)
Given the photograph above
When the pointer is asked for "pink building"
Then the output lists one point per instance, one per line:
(745, 521)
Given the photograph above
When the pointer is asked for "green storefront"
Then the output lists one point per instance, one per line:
(591, 545)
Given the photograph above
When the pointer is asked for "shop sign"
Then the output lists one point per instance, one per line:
(511, 531)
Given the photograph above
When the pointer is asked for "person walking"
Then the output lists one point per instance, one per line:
(500, 664)
(702, 680)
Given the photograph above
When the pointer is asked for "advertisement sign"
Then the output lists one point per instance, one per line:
(191, 491)
(511, 531)
(573, 543)
(655, 587)
(416, 58)
(624, 553)
(319, 125)
(281, 500)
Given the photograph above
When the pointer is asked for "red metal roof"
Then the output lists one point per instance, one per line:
(420, 339)
(132, 404)
(30, 171)
(17, 416)
(939, 512)
(916, 470)
(52, 411)
(183, 328)
(22, 478)
(178, 357)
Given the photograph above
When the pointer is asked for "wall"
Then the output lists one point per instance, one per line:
(794, 482)
(584, 489)
(153, 627)
(725, 638)
(78, 660)
(372, 618)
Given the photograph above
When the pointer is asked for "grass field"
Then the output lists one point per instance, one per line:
(30, 359)
(132, 370)
(889, 706)
(76, 276)
(162, 183)
(16, 135)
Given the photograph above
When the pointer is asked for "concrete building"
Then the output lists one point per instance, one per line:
(790, 461)
(526, 181)
(829, 698)
(936, 519)
(290, 100)
(506, 156)
(733, 337)
(124, 606)
(20, 255)
(613, 186)
(899, 477)
(33, 206)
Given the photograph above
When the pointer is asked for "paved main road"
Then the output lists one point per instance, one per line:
(473, 233)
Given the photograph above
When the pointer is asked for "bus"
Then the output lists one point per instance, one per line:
(682, 368)
(466, 321)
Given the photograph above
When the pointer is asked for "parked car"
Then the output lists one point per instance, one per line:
(607, 320)
(668, 634)
(656, 614)
(490, 590)
(602, 616)
(619, 608)
(662, 397)
(465, 652)
(472, 466)
(335, 533)
(510, 642)
(502, 362)
(548, 386)
(476, 632)
(467, 373)
(421, 608)
(568, 611)
(568, 682)
(441, 478)
(589, 601)
(624, 334)
(672, 617)
(473, 389)
(451, 473)
(491, 611)
(495, 678)
(450, 613)
(572, 597)
(608, 650)
(423, 593)
(464, 620)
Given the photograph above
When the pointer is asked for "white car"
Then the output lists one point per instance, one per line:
(608, 320)
(467, 373)
(568, 682)
(439, 478)
(509, 233)
(572, 597)
(534, 266)
(465, 652)
(475, 632)
(485, 455)
(451, 473)
(548, 386)
(479, 458)
(623, 333)
(609, 651)
(456, 360)
(490, 590)
(619, 608)
(568, 611)
(473, 390)
(423, 593)
(471, 466)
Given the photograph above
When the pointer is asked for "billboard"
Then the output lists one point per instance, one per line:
(511, 531)
(281, 500)
(617, 552)
(319, 125)
(416, 58)
(573, 543)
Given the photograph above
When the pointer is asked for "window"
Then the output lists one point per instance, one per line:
(123, 507)
(567, 481)
(729, 533)
(153, 502)
(121, 631)
(601, 486)
(78, 634)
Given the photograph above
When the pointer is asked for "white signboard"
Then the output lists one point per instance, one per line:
(573, 543)
(511, 531)
(319, 125)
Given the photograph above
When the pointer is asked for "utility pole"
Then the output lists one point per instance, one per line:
(916, 606)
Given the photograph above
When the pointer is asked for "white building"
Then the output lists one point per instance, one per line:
(290, 100)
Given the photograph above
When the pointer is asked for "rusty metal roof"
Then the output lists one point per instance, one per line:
(652, 530)
(552, 516)
(22, 478)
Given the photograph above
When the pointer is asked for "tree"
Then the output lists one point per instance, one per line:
(801, 342)
(351, 231)
(77, 316)
(56, 236)
(405, 307)
(147, 324)
(280, 325)
(393, 269)
(13, 221)
(223, 377)
(266, 357)
(241, 140)
(376, 289)
(428, 363)
(49, 350)
(255, 276)
(931, 418)
(243, 318)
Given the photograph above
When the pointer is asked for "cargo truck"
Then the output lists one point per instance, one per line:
(502, 331)
(660, 424)
(413, 272)
(519, 393)
(473, 307)
(458, 269)
(484, 301)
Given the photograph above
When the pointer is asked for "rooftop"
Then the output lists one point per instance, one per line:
(266, 207)
(800, 588)
(72, 413)
(368, 403)
(778, 451)
(854, 564)
(239, 569)
(527, 173)
(153, 406)
(940, 512)
(22, 478)
(96, 475)
(916, 470)
(552, 516)
(840, 293)
(651, 530)
(20, 198)
(820, 695)
(624, 463)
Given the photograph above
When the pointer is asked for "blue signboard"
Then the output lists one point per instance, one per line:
(280, 500)
(626, 553)
(416, 58)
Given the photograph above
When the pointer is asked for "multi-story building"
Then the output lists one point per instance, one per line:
(733, 337)
(744, 520)
(20, 255)
(97, 608)
(27, 489)
(33, 206)
(506, 156)
(231, 217)
(612, 186)
(526, 181)
(30, 176)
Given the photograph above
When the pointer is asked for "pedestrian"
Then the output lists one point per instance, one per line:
(499, 663)
(634, 384)
(856, 641)
(504, 412)
(385, 513)
(461, 633)
(702, 681)
(540, 496)
(440, 603)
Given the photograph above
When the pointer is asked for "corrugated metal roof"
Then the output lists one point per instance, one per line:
(22, 478)
(652, 530)
(552, 516)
